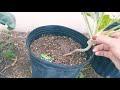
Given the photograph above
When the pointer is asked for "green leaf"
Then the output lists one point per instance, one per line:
(46, 57)
(106, 20)
(8, 19)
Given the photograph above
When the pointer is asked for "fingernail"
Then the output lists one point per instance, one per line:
(97, 53)
(94, 37)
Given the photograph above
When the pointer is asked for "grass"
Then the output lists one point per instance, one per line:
(9, 54)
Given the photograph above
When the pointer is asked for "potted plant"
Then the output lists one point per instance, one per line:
(42, 65)
(46, 39)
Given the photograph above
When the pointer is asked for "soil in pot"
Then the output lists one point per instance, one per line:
(56, 47)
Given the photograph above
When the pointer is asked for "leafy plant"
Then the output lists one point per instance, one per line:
(8, 19)
(101, 20)
(9, 54)
(46, 57)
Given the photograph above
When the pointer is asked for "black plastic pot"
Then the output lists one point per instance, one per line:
(103, 66)
(44, 69)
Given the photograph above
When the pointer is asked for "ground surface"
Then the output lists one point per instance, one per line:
(22, 66)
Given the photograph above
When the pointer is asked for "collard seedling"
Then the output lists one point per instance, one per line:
(46, 57)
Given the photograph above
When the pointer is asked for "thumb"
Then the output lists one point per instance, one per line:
(104, 40)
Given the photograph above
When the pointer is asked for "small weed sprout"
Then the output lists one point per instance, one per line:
(9, 54)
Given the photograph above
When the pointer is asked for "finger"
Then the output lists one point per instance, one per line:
(104, 40)
(103, 53)
(108, 54)
(101, 47)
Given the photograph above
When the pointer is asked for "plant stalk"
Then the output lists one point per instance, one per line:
(90, 43)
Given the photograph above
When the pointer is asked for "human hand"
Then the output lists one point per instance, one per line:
(108, 47)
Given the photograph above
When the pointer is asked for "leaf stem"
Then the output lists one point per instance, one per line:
(88, 25)
(98, 23)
